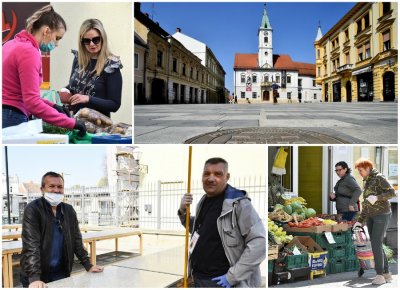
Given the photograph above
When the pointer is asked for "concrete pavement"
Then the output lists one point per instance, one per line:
(346, 279)
(330, 123)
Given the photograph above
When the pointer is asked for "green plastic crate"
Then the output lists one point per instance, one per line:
(337, 251)
(350, 252)
(341, 238)
(296, 261)
(352, 265)
(271, 265)
(336, 266)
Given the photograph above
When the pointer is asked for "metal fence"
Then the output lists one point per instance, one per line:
(152, 206)
(159, 201)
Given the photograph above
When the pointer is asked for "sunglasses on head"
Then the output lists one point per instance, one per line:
(95, 40)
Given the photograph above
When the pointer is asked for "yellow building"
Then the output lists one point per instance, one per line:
(172, 73)
(356, 60)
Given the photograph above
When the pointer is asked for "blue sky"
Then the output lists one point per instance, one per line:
(232, 27)
(80, 164)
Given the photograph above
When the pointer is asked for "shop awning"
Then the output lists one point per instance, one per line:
(363, 70)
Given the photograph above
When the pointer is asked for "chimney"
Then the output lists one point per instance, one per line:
(178, 29)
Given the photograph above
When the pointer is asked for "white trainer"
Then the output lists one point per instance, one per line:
(379, 280)
(388, 277)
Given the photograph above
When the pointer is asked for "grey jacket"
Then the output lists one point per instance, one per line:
(347, 193)
(243, 237)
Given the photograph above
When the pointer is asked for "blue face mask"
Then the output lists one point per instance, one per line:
(46, 48)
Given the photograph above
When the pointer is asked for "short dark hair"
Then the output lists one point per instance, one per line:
(217, 160)
(52, 174)
(344, 165)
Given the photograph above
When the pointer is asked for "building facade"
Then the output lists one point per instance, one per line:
(172, 73)
(215, 71)
(356, 60)
(258, 76)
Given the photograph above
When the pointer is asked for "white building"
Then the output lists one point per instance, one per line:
(256, 75)
(215, 71)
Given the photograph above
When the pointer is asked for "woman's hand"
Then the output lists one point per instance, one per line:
(351, 208)
(79, 99)
(332, 195)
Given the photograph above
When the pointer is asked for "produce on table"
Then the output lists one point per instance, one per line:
(295, 199)
(329, 222)
(280, 215)
(288, 209)
(310, 212)
(310, 222)
(278, 233)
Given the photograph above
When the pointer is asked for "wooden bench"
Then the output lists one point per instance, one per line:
(15, 247)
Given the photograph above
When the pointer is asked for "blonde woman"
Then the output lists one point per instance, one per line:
(22, 72)
(376, 213)
(96, 80)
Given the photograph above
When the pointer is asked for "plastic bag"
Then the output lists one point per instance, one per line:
(94, 117)
(121, 128)
(52, 96)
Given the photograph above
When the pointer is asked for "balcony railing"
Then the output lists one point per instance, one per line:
(344, 68)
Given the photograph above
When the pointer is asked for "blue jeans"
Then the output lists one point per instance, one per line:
(12, 118)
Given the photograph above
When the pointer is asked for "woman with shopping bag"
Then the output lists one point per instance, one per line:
(376, 213)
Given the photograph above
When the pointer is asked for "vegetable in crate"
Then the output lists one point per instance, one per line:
(278, 233)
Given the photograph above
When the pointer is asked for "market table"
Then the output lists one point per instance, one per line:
(15, 247)
(9, 248)
(170, 261)
(113, 277)
(11, 226)
(11, 235)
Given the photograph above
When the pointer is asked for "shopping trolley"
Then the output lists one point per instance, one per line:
(363, 249)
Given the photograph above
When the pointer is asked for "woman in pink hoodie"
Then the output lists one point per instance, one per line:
(22, 72)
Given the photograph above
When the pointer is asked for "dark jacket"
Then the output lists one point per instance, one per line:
(37, 240)
(242, 235)
(347, 193)
(376, 184)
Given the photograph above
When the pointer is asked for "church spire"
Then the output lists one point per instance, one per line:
(265, 21)
(319, 32)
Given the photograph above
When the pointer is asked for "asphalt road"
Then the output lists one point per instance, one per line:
(320, 123)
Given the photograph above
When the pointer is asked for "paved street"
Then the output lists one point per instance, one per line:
(330, 123)
(345, 279)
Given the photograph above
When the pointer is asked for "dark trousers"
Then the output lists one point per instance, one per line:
(12, 118)
(205, 283)
(377, 227)
(348, 215)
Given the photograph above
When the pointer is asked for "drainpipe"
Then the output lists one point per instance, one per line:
(168, 63)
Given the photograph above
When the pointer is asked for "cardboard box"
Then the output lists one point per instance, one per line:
(272, 252)
(340, 227)
(317, 230)
(317, 257)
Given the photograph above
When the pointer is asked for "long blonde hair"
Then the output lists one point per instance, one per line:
(45, 16)
(84, 55)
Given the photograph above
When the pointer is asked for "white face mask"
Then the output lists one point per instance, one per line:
(54, 198)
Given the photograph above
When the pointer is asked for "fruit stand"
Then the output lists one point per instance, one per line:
(306, 245)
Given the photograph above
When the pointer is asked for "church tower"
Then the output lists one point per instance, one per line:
(265, 55)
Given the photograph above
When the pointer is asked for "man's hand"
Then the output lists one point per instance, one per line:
(351, 208)
(333, 195)
(187, 199)
(357, 224)
(372, 199)
(222, 281)
(37, 284)
(96, 269)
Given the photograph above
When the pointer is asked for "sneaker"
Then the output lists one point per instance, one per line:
(379, 280)
(388, 277)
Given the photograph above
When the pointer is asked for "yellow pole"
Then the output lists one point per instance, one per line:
(185, 273)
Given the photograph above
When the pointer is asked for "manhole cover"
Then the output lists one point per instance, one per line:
(265, 136)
